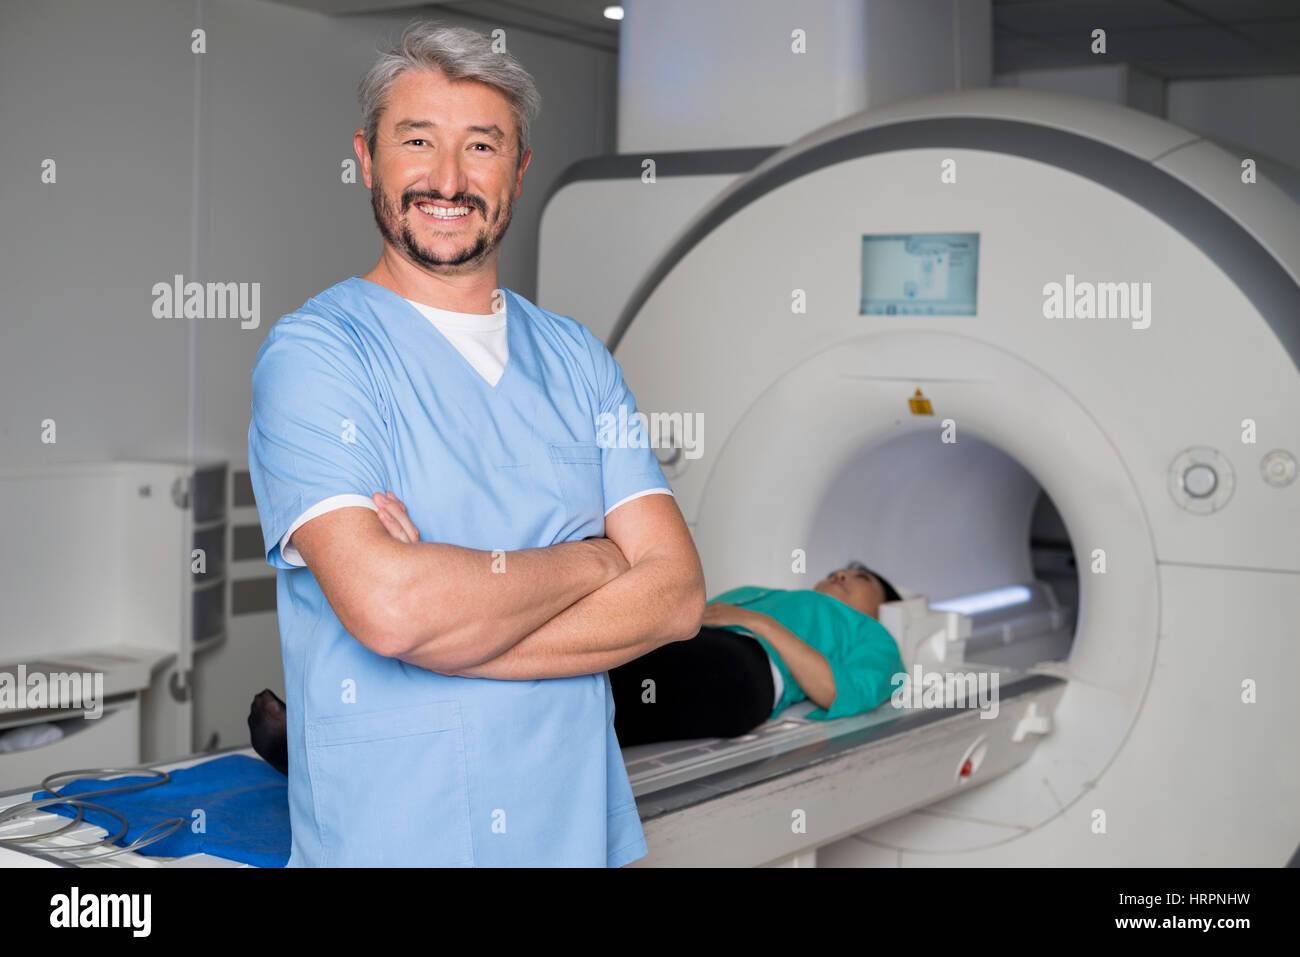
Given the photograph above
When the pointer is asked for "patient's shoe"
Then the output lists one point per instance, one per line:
(266, 727)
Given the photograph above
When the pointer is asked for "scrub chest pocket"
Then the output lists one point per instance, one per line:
(390, 787)
(578, 475)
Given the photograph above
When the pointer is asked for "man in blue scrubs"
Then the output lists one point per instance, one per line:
(447, 701)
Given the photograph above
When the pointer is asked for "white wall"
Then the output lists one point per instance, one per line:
(725, 74)
(108, 95)
(1116, 83)
(1259, 112)
(224, 167)
(915, 47)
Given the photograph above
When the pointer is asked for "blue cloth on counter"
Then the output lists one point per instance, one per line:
(245, 804)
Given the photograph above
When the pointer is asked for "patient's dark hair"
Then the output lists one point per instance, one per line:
(891, 594)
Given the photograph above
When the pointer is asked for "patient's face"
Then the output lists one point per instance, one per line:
(857, 589)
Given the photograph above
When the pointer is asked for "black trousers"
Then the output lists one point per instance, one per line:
(715, 685)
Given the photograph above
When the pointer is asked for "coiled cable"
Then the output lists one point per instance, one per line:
(40, 842)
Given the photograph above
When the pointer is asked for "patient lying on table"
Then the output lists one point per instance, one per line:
(758, 651)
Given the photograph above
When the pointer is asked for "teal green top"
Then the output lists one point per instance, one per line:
(862, 653)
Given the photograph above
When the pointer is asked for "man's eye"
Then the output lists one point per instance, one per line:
(408, 142)
(484, 145)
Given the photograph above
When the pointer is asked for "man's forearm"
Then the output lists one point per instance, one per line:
(658, 600)
(454, 607)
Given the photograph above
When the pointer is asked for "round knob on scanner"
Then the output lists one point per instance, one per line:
(1200, 480)
(1279, 468)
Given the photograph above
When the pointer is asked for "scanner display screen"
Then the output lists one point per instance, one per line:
(933, 274)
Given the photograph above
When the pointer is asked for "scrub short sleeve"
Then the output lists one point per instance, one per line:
(863, 675)
(628, 464)
(318, 426)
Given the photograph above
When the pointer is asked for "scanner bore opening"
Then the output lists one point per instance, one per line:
(950, 520)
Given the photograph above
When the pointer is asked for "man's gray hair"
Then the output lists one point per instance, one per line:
(460, 54)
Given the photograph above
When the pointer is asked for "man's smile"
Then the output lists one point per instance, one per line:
(443, 211)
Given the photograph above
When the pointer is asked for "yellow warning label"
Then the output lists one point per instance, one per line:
(919, 404)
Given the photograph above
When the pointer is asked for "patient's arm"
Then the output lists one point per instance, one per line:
(809, 666)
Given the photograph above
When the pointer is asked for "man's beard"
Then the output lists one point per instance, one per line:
(398, 232)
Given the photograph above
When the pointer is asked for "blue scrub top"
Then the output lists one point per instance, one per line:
(389, 764)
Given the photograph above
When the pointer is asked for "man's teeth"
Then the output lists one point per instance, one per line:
(443, 212)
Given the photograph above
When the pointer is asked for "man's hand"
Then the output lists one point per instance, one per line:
(660, 599)
(397, 522)
(440, 606)
(393, 516)
(617, 561)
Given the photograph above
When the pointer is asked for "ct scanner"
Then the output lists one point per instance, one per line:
(800, 311)
(859, 321)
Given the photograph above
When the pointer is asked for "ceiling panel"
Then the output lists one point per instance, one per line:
(1082, 16)
(1282, 36)
(1172, 39)
(581, 21)
(1233, 11)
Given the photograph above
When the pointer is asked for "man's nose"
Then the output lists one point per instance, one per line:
(447, 176)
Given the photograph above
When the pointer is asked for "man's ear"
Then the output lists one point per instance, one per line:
(363, 156)
(519, 174)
